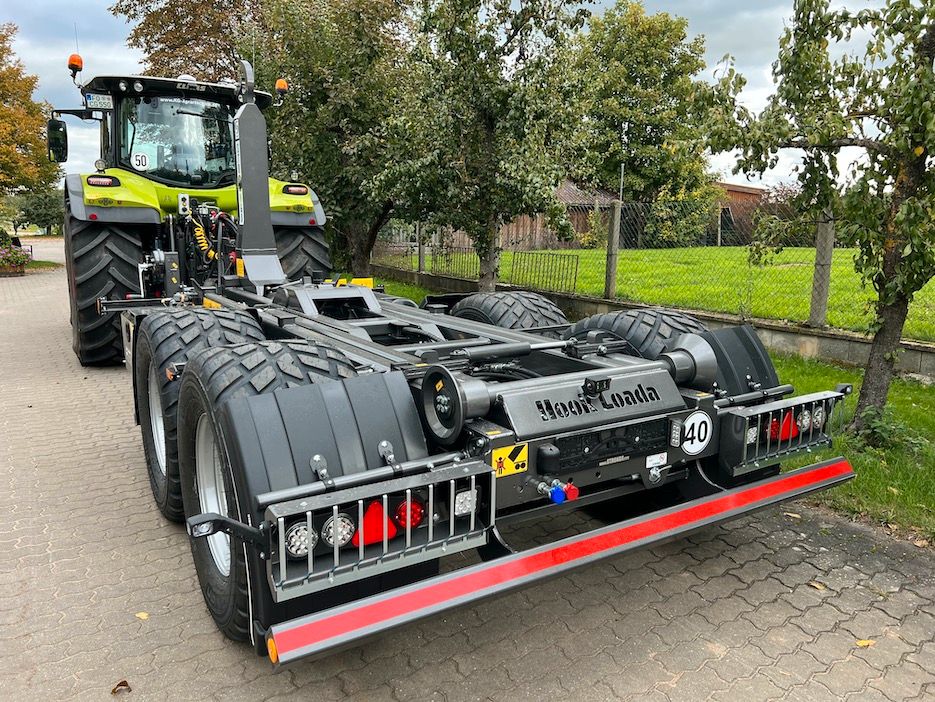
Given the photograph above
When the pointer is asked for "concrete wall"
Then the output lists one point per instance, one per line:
(826, 344)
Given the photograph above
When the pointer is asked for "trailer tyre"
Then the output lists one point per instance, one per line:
(510, 310)
(303, 251)
(101, 261)
(163, 339)
(646, 330)
(210, 379)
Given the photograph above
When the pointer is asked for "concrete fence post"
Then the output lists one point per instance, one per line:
(613, 249)
(421, 247)
(821, 278)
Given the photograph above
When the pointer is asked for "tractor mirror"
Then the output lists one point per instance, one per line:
(57, 138)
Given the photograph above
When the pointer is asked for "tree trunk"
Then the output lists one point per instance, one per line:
(361, 238)
(488, 251)
(879, 370)
(821, 278)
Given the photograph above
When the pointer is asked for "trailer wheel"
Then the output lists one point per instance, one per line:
(210, 379)
(303, 251)
(511, 310)
(162, 339)
(101, 261)
(646, 330)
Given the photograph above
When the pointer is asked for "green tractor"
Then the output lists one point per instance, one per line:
(168, 149)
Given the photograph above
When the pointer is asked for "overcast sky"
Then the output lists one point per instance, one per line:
(747, 30)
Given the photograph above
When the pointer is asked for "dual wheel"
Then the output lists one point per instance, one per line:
(225, 357)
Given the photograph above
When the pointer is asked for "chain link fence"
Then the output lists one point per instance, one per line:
(755, 259)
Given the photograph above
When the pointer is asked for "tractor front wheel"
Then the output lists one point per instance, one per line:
(101, 262)
(303, 251)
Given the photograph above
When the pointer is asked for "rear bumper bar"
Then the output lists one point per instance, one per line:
(321, 632)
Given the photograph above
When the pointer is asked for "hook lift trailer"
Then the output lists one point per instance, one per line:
(328, 446)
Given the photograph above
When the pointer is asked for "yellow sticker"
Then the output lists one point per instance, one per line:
(510, 460)
(240, 268)
(439, 385)
(211, 304)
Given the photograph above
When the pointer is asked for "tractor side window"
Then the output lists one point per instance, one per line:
(177, 140)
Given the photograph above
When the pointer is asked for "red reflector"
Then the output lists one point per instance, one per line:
(785, 431)
(295, 190)
(414, 514)
(311, 220)
(375, 521)
(92, 216)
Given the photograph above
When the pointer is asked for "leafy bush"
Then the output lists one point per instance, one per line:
(14, 256)
(681, 218)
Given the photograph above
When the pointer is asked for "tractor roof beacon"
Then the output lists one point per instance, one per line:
(328, 445)
(164, 185)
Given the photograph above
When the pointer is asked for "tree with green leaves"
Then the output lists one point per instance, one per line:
(42, 208)
(342, 59)
(24, 163)
(200, 39)
(861, 79)
(475, 140)
(637, 73)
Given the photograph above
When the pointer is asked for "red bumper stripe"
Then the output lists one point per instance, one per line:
(496, 573)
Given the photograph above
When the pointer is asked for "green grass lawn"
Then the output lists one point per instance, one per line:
(719, 280)
(42, 265)
(895, 484)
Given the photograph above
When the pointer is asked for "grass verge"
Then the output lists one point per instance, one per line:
(42, 265)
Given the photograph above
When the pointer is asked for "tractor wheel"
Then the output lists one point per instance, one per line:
(162, 339)
(101, 261)
(511, 310)
(646, 330)
(210, 379)
(303, 251)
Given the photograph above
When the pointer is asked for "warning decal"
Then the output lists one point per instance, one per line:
(510, 459)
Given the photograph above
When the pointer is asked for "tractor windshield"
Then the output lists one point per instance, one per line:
(177, 140)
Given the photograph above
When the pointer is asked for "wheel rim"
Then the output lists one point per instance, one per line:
(156, 420)
(212, 493)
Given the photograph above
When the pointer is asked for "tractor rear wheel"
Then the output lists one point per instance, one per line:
(646, 330)
(303, 251)
(163, 339)
(511, 310)
(101, 261)
(210, 379)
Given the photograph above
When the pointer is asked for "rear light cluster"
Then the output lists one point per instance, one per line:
(103, 181)
(321, 541)
(342, 529)
(791, 424)
(295, 189)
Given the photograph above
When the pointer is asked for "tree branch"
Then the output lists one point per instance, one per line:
(869, 144)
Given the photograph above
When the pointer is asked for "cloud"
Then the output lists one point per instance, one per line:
(47, 36)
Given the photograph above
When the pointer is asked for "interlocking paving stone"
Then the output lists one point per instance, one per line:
(727, 613)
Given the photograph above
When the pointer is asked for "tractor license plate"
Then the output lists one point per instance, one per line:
(510, 460)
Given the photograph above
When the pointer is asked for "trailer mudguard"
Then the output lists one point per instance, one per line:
(345, 625)
(284, 439)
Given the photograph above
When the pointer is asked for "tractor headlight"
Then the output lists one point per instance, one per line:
(299, 540)
(818, 417)
(137, 86)
(122, 85)
(753, 434)
(340, 529)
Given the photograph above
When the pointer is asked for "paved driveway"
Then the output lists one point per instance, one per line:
(97, 587)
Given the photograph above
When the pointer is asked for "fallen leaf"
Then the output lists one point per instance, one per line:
(120, 687)
(817, 585)
(793, 515)
(142, 615)
(865, 643)
(893, 490)
(921, 543)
